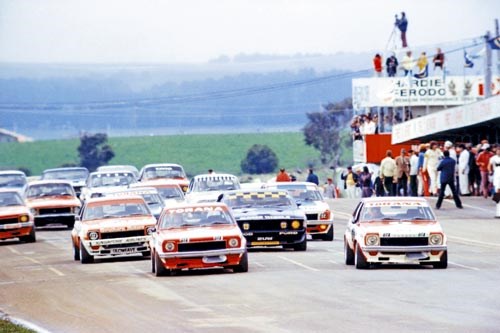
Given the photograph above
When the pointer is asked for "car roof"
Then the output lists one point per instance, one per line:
(256, 191)
(161, 165)
(135, 190)
(49, 181)
(131, 198)
(110, 171)
(66, 169)
(207, 176)
(193, 205)
(12, 172)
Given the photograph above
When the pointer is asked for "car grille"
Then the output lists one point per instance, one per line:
(201, 246)
(312, 217)
(48, 211)
(406, 241)
(265, 225)
(8, 221)
(122, 234)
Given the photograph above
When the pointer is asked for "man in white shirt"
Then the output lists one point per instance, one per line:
(413, 173)
(388, 173)
(463, 169)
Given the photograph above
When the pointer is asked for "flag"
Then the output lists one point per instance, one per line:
(423, 73)
(468, 60)
(495, 43)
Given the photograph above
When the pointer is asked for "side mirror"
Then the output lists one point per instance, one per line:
(299, 203)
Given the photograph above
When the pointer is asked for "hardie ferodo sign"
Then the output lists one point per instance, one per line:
(405, 91)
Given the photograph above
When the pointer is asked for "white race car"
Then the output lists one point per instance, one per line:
(208, 187)
(394, 230)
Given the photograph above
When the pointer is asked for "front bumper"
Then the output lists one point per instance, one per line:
(118, 246)
(319, 227)
(202, 259)
(63, 218)
(404, 254)
(274, 238)
(14, 230)
(406, 249)
(212, 253)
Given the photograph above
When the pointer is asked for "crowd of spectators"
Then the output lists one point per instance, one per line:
(408, 64)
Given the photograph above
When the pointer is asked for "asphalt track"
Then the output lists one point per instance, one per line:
(284, 291)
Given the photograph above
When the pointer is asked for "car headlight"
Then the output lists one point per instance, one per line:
(169, 246)
(283, 225)
(325, 215)
(24, 218)
(246, 226)
(436, 239)
(372, 240)
(93, 235)
(295, 224)
(234, 242)
(150, 230)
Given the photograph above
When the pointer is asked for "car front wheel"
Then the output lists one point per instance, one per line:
(242, 267)
(85, 257)
(348, 254)
(443, 261)
(359, 258)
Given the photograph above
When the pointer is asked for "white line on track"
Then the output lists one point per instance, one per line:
(258, 264)
(471, 206)
(299, 264)
(333, 262)
(13, 250)
(473, 242)
(463, 266)
(56, 271)
(33, 260)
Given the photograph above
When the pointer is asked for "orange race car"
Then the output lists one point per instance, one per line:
(197, 236)
(111, 226)
(15, 217)
(52, 201)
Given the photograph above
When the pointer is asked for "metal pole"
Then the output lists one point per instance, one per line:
(487, 76)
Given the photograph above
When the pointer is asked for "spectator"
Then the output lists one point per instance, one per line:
(438, 59)
(423, 178)
(463, 169)
(350, 180)
(422, 62)
(447, 168)
(448, 145)
(388, 172)
(355, 130)
(402, 25)
(375, 121)
(413, 173)
(369, 126)
(391, 65)
(483, 160)
(312, 177)
(387, 124)
(407, 63)
(283, 176)
(330, 192)
(474, 173)
(494, 169)
(365, 180)
(377, 65)
(402, 172)
(432, 156)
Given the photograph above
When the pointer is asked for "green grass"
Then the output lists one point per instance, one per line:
(8, 327)
(197, 153)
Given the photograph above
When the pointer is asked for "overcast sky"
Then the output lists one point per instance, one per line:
(111, 31)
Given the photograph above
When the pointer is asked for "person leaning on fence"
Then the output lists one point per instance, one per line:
(438, 59)
(391, 65)
(377, 65)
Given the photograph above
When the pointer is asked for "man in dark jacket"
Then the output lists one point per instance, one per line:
(402, 25)
(447, 168)
(312, 178)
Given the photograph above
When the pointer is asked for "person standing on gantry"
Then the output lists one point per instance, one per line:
(402, 24)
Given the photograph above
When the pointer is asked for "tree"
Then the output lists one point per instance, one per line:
(259, 159)
(323, 129)
(94, 150)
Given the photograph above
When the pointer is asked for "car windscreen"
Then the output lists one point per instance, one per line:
(194, 217)
(245, 200)
(115, 210)
(216, 184)
(112, 179)
(10, 199)
(170, 192)
(168, 172)
(303, 194)
(66, 174)
(12, 180)
(48, 190)
(396, 212)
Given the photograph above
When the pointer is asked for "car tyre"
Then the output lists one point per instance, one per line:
(85, 257)
(146, 254)
(153, 263)
(329, 235)
(301, 247)
(76, 252)
(30, 238)
(359, 258)
(443, 261)
(348, 254)
(160, 270)
(242, 267)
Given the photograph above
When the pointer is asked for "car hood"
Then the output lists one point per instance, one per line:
(55, 201)
(119, 224)
(13, 211)
(201, 197)
(400, 228)
(267, 213)
(211, 232)
(314, 206)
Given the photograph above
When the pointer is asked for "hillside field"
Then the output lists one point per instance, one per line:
(197, 153)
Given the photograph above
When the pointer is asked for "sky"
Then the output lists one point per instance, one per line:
(180, 31)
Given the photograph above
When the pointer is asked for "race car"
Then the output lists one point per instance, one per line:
(197, 236)
(77, 176)
(169, 191)
(111, 226)
(16, 221)
(52, 201)
(149, 194)
(166, 171)
(208, 187)
(119, 168)
(13, 179)
(268, 218)
(318, 213)
(101, 182)
(394, 230)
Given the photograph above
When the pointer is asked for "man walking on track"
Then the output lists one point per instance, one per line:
(447, 168)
